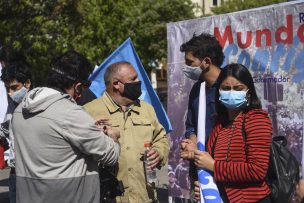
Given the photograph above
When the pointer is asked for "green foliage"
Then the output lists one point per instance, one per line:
(239, 5)
(42, 29)
(38, 29)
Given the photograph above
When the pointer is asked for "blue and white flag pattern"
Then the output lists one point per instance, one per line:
(208, 189)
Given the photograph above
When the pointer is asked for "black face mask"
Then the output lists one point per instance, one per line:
(132, 90)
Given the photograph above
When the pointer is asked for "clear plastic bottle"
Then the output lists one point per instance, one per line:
(150, 173)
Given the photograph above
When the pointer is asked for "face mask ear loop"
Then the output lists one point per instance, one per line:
(247, 98)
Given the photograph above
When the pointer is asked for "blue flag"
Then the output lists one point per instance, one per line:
(126, 52)
(208, 189)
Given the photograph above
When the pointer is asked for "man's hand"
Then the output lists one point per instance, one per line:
(188, 147)
(197, 194)
(204, 160)
(113, 133)
(300, 191)
(153, 158)
(102, 122)
(105, 125)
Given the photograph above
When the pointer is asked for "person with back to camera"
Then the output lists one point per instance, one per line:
(239, 169)
(57, 144)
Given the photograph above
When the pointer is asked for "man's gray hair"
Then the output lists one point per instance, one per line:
(113, 70)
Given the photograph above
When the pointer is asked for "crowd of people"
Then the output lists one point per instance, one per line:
(60, 136)
(290, 126)
(60, 145)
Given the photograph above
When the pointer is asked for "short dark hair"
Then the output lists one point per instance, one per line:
(242, 74)
(205, 45)
(18, 71)
(68, 69)
(113, 70)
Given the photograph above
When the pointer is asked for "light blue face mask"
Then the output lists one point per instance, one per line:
(19, 95)
(233, 99)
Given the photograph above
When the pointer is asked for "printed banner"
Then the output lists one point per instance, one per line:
(269, 41)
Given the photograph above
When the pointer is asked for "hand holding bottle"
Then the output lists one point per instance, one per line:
(151, 160)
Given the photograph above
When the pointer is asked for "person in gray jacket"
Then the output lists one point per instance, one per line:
(57, 145)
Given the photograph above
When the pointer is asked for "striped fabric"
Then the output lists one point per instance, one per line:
(242, 176)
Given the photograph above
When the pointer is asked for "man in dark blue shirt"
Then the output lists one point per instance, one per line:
(193, 104)
(203, 57)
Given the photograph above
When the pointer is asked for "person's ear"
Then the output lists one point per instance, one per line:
(78, 88)
(115, 84)
(206, 63)
(27, 84)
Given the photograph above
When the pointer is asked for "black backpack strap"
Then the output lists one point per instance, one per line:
(243, 130)
(213, 148)
(212, 153)
(244, 134)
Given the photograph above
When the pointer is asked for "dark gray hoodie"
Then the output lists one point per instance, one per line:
(57, 149)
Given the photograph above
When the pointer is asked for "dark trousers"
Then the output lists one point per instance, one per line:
(12, 186)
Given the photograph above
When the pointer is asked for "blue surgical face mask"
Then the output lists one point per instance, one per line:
(191, 72)
(233, 99)
(19, 95)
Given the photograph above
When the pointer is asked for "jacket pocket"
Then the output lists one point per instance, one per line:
(142, 130)
(141, 121)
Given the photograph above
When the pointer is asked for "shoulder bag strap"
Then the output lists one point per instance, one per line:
(244, 134)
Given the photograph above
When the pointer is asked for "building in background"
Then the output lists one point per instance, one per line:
(205, 6)
(158, 78)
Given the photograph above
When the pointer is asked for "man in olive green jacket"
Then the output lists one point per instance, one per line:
(137, 122)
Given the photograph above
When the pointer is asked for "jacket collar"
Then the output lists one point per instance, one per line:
(113, 106)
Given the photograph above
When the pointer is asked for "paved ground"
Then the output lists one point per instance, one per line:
(161, 185)
(4, 185)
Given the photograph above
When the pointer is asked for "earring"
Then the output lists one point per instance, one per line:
(248, 100)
